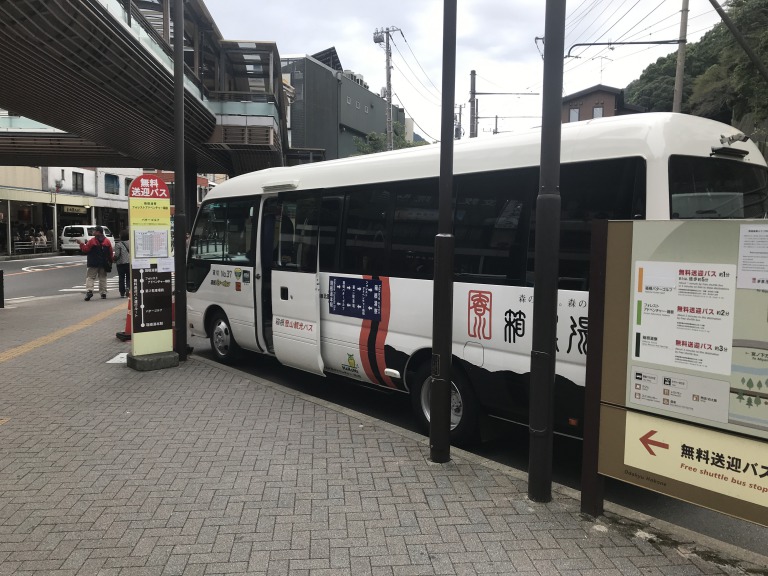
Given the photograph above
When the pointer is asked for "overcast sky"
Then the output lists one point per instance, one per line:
(496, 38)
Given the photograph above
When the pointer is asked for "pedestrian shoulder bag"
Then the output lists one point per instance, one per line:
(105, 255)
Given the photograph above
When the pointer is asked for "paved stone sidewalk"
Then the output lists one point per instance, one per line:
(203, 469)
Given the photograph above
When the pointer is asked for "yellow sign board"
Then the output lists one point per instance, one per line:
(149, 211)
(715, 461)
(151, 266)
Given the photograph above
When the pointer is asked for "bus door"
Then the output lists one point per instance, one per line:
(290, 280)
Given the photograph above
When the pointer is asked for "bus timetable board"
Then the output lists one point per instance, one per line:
(684, 371)
(149, 215)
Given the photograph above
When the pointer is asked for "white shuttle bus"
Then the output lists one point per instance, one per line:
(328, 266)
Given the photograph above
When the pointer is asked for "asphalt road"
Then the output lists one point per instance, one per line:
(504, 443)
(49, 276)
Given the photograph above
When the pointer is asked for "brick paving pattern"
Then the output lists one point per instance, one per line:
(202, 469)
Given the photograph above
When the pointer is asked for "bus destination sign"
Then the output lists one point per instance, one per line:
(355, 297)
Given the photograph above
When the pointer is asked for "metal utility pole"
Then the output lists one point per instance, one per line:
(602, 60)
(474, 112)
(677, 99)
(380, 36)
(457, 124)
(542, 380)
(442, 304)
(472, 106)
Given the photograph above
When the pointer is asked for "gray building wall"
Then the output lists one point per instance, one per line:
(315, 110)
(330, 110)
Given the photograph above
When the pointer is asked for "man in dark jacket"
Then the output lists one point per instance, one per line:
(100, 255)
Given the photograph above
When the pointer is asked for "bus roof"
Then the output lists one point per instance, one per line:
(650, 136)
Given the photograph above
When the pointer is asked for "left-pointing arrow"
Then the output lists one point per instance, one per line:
(647, 442)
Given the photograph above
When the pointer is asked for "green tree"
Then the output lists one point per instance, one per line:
(377, 142)
(719, 80)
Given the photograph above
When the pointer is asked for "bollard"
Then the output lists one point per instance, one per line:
(2, 290)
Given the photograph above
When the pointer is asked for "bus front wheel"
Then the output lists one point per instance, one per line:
(223, 342)
(463, 405)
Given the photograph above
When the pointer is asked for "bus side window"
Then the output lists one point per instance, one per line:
(295, 234)
(238, 243)
(491, 221)
(365, 241)
(306, 234)
(414, 228)
(331, 209)
(601, 189)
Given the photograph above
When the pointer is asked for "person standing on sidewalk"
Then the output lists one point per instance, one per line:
(100, 257)
(123, 262)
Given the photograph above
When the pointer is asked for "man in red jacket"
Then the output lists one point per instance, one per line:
(100, 257)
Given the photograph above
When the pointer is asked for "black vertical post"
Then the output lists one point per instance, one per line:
(2, 286)
(442, 306)
(180, 217)
(546, 268)
(472, 108)
(592, 483)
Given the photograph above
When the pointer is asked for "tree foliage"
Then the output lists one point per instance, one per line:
(719, 81)
(377, 142)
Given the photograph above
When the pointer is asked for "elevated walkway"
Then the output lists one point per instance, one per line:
(101, 73)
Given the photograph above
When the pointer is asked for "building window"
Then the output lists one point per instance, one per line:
(77, 182)
(349, 99)
(128, 182)
(366, 109)
(597, 112)
(111, 184)
(573, 115)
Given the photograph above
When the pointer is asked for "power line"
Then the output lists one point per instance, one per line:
(414, 119)
(578, 20)
(597, 17)
(429, 99)
(410, 69)
(614, 24)
(419, 63)
(610, 46)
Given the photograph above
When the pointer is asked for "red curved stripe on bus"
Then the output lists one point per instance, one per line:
(381, 334)
(365, 333)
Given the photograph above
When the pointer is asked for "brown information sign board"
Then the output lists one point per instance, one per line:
(678, 387)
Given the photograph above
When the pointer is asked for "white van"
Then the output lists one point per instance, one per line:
(83, 232)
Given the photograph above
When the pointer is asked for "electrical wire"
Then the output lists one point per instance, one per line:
(597, 17)
(612, 25)
(412, 118)
(640, 51)
(428, 99)
(572, 65)
(576, 20)
(427, 88)
(419, 63)
(620, 38)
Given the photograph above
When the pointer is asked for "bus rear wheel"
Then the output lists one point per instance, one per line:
(463, 405)
(222, 340)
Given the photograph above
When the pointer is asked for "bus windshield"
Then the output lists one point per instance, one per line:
(716, 188)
